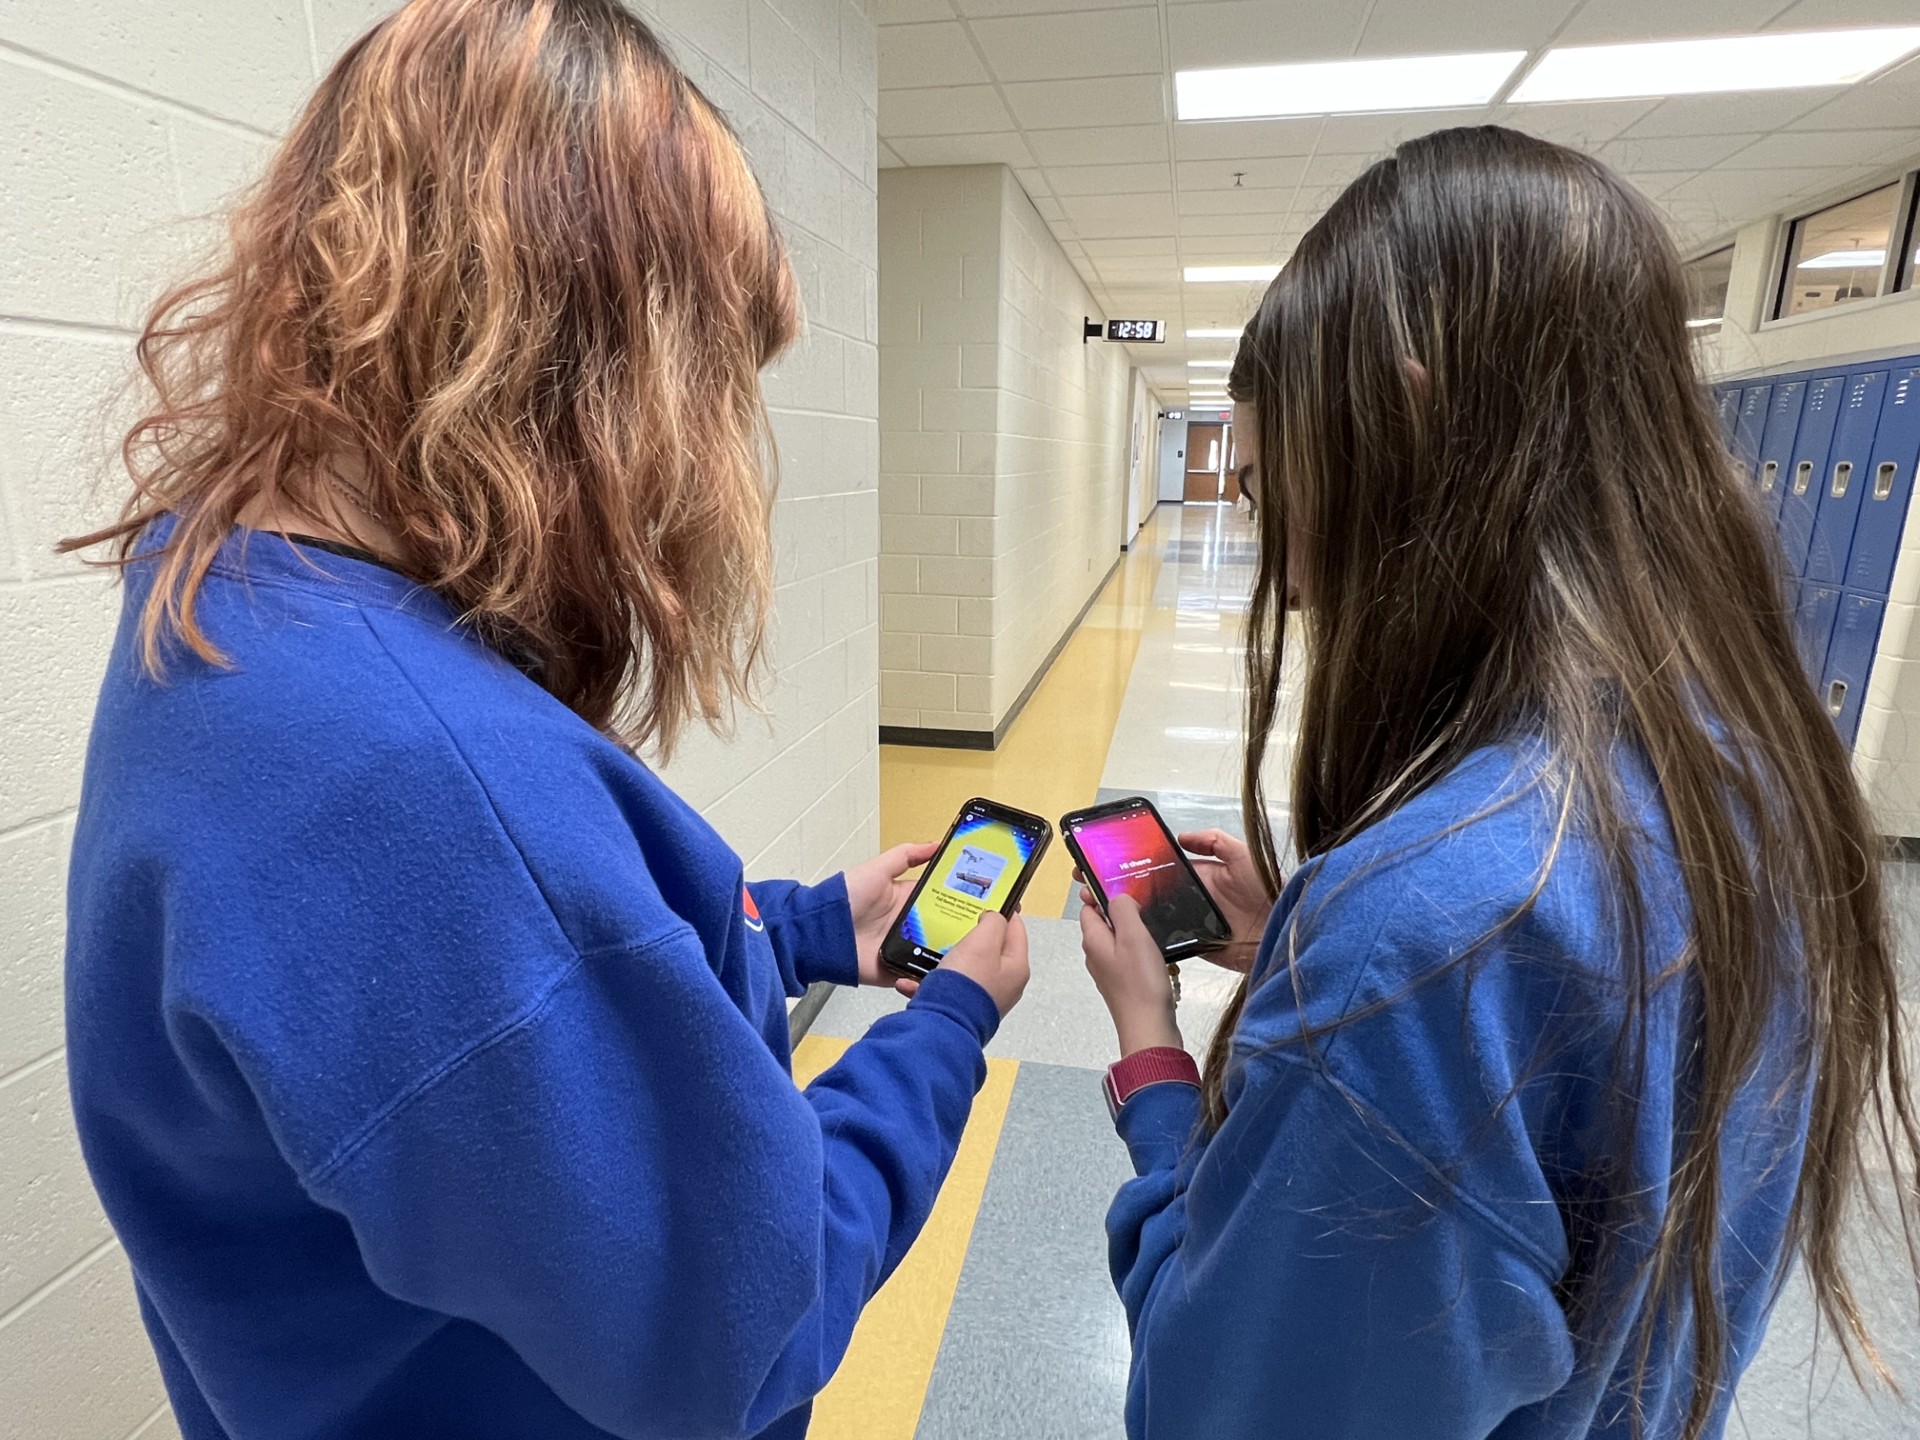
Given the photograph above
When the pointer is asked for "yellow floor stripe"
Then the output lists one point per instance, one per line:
(882, 1383)
(1051, 759)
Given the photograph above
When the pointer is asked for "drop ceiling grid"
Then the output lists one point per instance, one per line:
(1076, 96)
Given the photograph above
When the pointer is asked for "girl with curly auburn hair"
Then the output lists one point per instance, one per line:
(429, 1054)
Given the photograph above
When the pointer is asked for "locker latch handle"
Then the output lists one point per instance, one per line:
(1883, 479)
(1802, 477)
(1769, 473)
(1836, 697)
(1842, 477)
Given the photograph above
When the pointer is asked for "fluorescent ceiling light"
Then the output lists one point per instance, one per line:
(1214, 334)
(1844, 260)
(1731, 62)
(1704, 323)
(1332, 87)
(1228, 274)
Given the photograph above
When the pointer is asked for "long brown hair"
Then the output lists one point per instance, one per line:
(1511, 508)
(510, 281)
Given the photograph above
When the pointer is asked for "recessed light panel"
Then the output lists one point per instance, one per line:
(1214, 334)
(1699, 67)
(1338, 87)
(1209, 365)
(1229, 274)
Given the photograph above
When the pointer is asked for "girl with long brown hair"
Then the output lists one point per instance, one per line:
(1569, 1033)
(429, 1054)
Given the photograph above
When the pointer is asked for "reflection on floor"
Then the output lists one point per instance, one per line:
(1001, 1324)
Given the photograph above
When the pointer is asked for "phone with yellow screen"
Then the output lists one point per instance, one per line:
(989, 855)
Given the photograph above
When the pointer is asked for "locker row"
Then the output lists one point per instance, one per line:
(1833, 453)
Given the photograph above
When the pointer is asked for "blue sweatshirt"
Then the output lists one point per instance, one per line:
(430, 1056)
(1392, 1234)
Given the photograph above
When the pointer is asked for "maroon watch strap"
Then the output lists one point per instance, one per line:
(1148, 1067)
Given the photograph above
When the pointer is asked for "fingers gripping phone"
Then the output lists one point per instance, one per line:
(1124, 847)
(989, 855)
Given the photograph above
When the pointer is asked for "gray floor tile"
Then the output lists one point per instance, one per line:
(1036, 1343)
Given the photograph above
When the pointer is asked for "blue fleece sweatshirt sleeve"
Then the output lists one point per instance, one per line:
(1299, 1275)
(811, 928)
(688, 1239)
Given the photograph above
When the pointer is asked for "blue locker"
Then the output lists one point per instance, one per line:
(1813, 617)
(1726, 400)
(1847, 477)
(1843, 683)
(1746, 429)
(1776, 441)
(1887, 485)
(1805, 478)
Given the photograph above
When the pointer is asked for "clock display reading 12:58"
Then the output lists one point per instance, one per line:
(1154, 332)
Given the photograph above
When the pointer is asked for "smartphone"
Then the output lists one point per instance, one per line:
(989, 855)
(1124, 847)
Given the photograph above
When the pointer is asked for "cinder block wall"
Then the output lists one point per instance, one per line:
(1003, 446)
(127, 123)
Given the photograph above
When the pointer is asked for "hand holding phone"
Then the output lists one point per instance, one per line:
(989, 854)
(1125, 848)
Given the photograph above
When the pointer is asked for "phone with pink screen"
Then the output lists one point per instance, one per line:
(1124, 847)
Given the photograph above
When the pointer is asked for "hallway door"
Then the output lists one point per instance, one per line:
(1204, 458)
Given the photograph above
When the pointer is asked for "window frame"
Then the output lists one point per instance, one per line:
(1904, 224)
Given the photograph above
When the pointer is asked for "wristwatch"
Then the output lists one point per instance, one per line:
(1161, 1065)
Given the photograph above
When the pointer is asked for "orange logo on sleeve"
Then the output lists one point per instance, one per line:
(754, 922)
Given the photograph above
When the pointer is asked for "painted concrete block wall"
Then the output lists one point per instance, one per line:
(128, 124)
(1060, 487)
(1003, 446)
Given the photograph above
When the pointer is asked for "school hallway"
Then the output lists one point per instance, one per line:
(1002, 1320)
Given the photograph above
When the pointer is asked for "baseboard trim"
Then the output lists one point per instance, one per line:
(927, 736)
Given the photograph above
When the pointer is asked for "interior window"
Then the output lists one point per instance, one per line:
(1840, 253)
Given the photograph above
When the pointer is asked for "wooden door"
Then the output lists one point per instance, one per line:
(1230, 471)
(1204, 444)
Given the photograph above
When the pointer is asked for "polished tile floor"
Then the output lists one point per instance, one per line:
(1001, 1324)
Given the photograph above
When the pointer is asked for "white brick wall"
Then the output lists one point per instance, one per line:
(1003, 446)
(125, 122)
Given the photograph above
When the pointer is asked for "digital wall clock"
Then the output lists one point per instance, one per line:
(1133, 332)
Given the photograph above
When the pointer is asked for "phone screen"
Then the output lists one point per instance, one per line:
(974, 872)
(1131, 853)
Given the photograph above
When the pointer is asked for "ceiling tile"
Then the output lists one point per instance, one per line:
(1891, 100)
(1087, 209)
(1124, 225)
(991, 149)
(1262, 32)
(1732, 114)
(1336, 170)
(1216, 225)
(1832, 14)
(889, 160)
(1280, 172)
(1744, 194)
(1656, 184)
(961, 110)
(1375, 135)
(1110, 144)
(1055, 47)
(984, 8)
(917, 56)
(1613, 21)
(1156, 245)
(1672, 152)
(1071, 104)
(1420, 27)
(1224, 249)
(1238, 139)
(1792, 148)
(1032, 179)
(898, 12)
(1273, 203)
(1108, 179)
(1582, 123)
